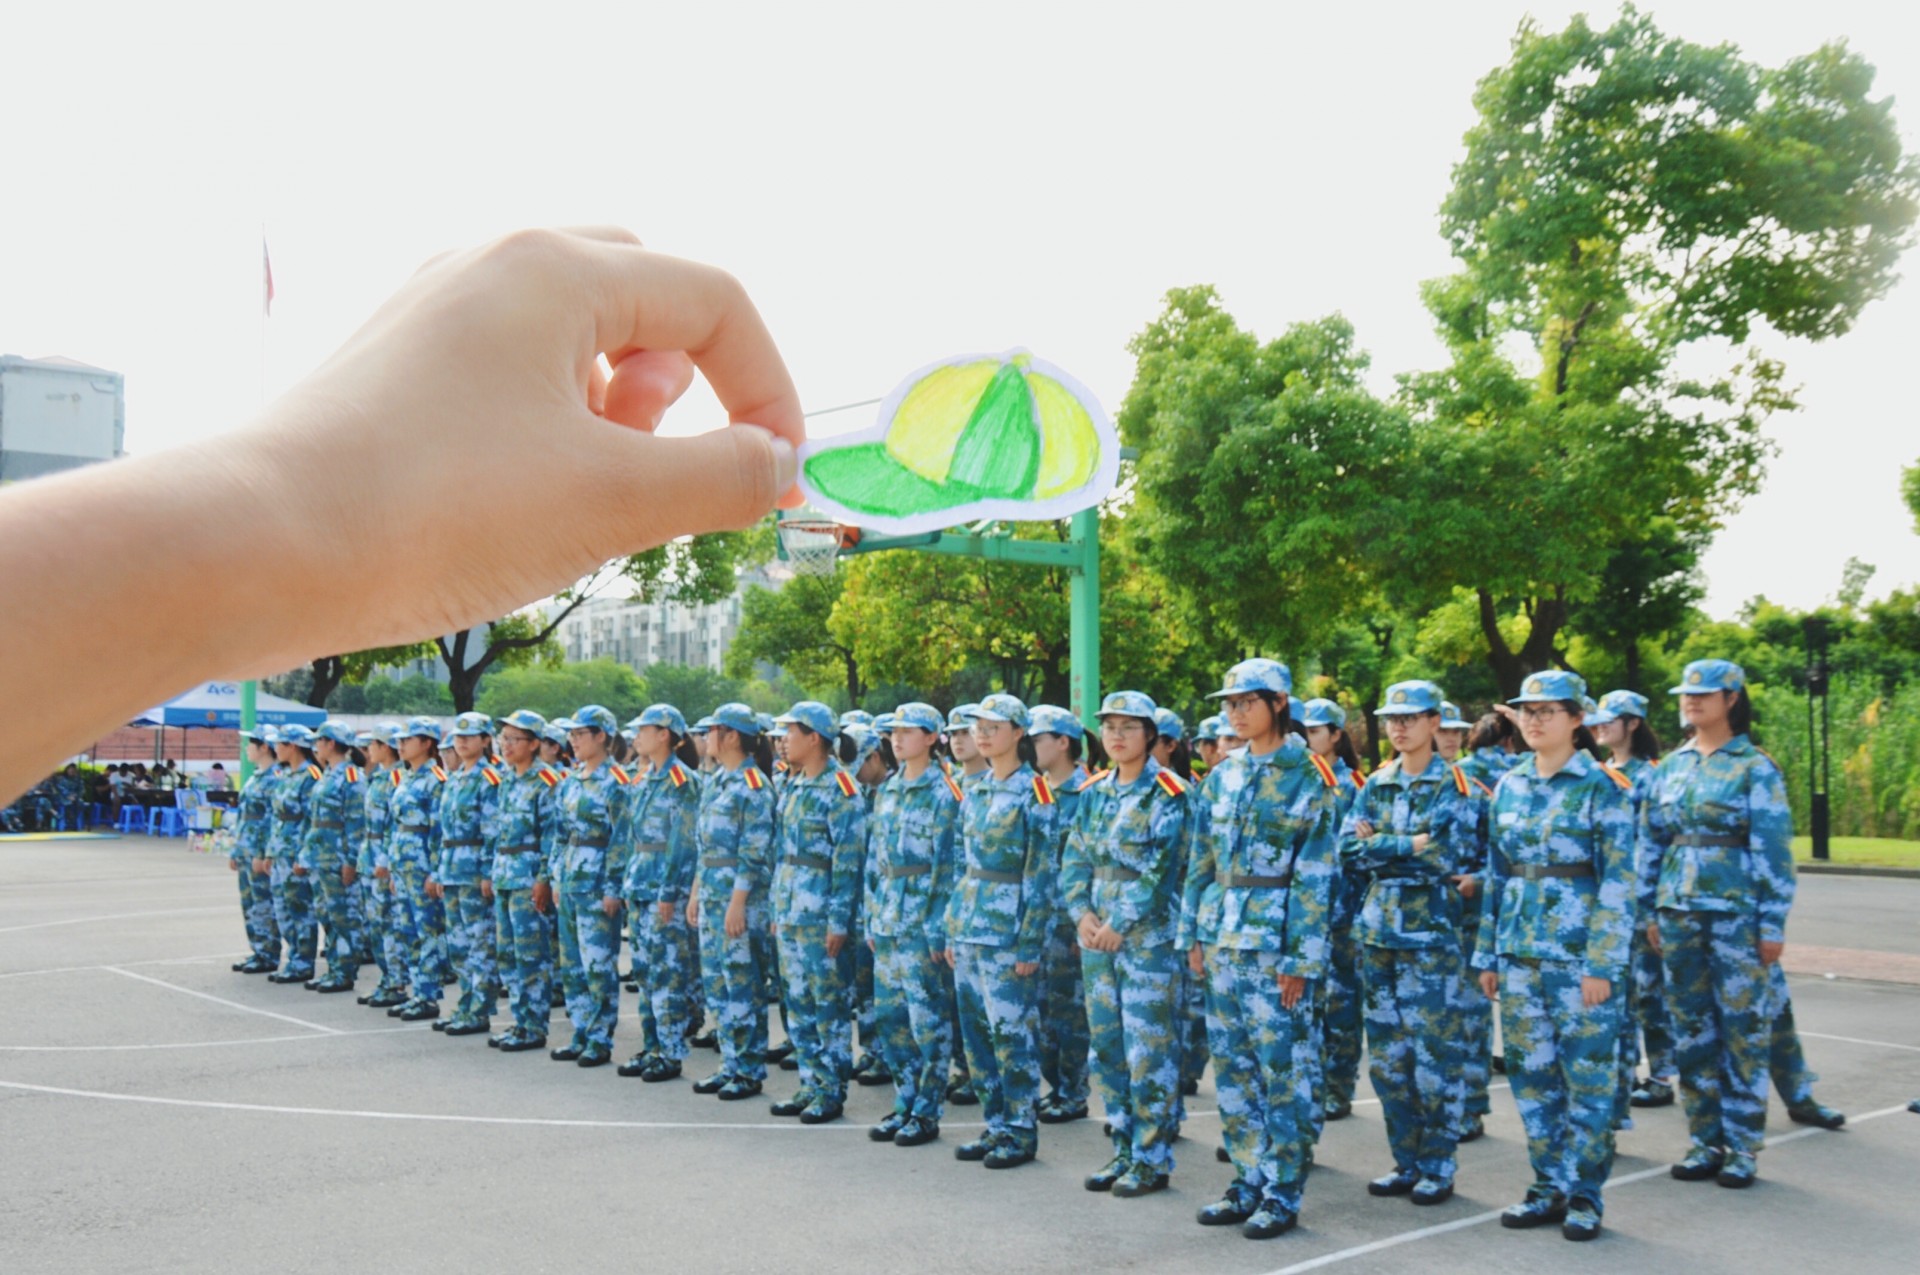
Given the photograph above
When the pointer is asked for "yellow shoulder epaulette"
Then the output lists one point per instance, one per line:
(1460, 780)
(492, 775)
(315, 771)
(1325, 768)
(780, 767)
(953, 787)
(548, 778)
(1618, 778)
(845, 783)
(1359, 780)
(440, 773)
(398, 776)
(1092, 779)
(677, 774)
(620, 776)
(1042, 790)
(755, 780)
(353, 775)
(1171, 784)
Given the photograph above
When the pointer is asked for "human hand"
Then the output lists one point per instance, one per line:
(1468, 886)
(666, 913)
(1363, 829)
(1105, 939)
(1595, 991)
(382, 874)
(1026, 969)
(233, 864)
(611, 906)
(1770, 952)
(836, 943)
(1196, 960)
(543, 896)
(1292, 987)
(433, 889)
(736, 918)
(1490, 984)
(299, 871)
(1088, 927)
(1653, 936)
(348, 874)
(486, 889)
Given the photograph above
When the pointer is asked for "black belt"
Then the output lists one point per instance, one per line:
(523, 849)
(728, 861)
(328, 823)
(650, 847)
(910, 870)
(589, 843)
(1235, 881)
(452, 843)
(814, 861)
(1709, 839)
(415, 827)
(1536, 871)
(1115, 874)
(1004, 878)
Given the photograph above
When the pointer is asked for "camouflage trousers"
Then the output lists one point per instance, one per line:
(293, 916)
(376, 912)
(735, 983)
(470, 940)
(913, 1022)
(521, 934)
(1342, 1019)
(333, 901)
(819, 992)
(1646, 1015)
(1786, 1060)
(1133, 1017)
(414, 937)
(589, 960)
(1265, 1061)
(866, 1005)
(1064, 1042)
(256, 912)
(1191, 1027)
(1475, 1012)
(1722, 1002)
(667, 969)
(998, 1009)
(1413, 1037)
(1561, 1061)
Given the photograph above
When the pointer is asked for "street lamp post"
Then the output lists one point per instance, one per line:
(1819, 735)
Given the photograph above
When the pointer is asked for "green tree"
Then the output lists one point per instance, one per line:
(1624, 196)
(1646, 589)
(330, 671)
(561, 690)
(407, 696)
(693, 689)
(1910, 492)
(789, 628)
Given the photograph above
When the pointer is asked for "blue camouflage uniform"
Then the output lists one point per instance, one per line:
(526, 836)
(1409, 935)
(1559, 907)
(468, 801)
(592, 803)
(663, 813)
(1125, 865)
(380, 906)
(1475, 1011)
(910, 879)
(997, 919)
(413, 850)
(335, 828)
(1342, 1012)
(818, 856)
(735, 835)
(1065, 1039)
(1717, 864)
(255, 808)
(293, 891)
(1258, 899)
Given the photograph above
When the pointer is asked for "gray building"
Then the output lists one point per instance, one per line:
(637, 633)
(57, 413)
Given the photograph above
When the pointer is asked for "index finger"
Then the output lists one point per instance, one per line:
(648, 301)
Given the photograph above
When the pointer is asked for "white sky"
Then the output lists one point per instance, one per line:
(895, 183)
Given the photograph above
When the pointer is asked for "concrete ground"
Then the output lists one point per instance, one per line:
(158, 1112)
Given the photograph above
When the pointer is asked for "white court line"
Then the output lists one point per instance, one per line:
(221, 1000)
(198, 1044)
(1461, 1224)
(118, 916)
(1855, 1040)
(83, 969)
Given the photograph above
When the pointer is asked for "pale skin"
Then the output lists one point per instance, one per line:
(998, 744)
(913, 749)
(1712, 731)
(726, 747)
(1264, 728)
(467, 752)
(1125, 739)
(966, 753)
(482, 375)
(1549, 729)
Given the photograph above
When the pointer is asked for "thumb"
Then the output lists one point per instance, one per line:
(658, 489)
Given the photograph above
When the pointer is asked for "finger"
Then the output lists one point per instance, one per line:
(603, 234)
(644, 385)
(722, 480)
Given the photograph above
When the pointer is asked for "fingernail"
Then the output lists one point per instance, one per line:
(786, 464)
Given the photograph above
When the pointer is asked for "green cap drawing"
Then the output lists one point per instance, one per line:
(996, 436)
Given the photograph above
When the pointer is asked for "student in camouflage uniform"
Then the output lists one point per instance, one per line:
(1410, 831)
(249, 857)
(1122, 878)
(1065, 1042)
(863, 752)
(330, 852)
(525, 837)
(373, 871)
(910, 878)
(662, 821)
(1342, 1017)
(292, 886)
(1256, 915)
(414, 849)
(966, 768)
(592, 801)
(1552, 945)
(997, 927)
(1716, 877)
(729, 903)
(466, 815)
(821, 841)
(1474, 1011)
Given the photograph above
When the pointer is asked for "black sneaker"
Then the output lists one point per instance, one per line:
(1815, 1113)
(1540, 1208)
(1652, 1093)
(887, 1128)
(1142, 1179)
(1103, 1178)
(1232, 1209)
(1061, 1112)
(917, 1132)
(978, 1149)
(1583, 1221)
(1399, 1182)
(1270, 1219)
(1011, 1153)
(1701, 1163)
(712, 1084)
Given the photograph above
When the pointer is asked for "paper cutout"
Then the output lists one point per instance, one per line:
(980, 436)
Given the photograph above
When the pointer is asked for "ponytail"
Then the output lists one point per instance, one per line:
(1024, 751)
(684, 750)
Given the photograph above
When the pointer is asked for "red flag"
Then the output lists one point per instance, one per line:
(266, 264)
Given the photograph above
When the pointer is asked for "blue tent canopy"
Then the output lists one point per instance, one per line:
(217, 704)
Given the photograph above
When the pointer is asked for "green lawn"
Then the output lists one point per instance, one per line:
(1878, 852)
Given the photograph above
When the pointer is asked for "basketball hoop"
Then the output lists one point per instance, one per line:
(812, 546)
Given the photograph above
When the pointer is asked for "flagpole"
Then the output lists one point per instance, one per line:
(250, 689)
